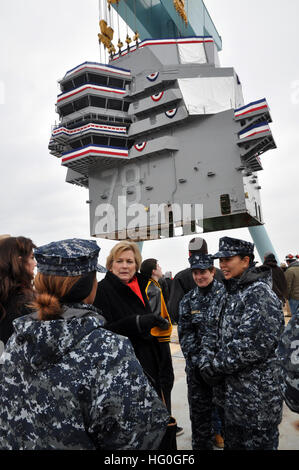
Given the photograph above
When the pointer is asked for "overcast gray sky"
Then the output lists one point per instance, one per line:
(41, 40)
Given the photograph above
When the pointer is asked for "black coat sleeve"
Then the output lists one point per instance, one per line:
(125, 326)
(176, 295)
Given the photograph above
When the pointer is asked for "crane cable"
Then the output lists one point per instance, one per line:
(120, 43)
(100, 15)
(128, 40)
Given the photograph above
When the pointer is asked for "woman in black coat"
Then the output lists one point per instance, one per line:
(121, 298)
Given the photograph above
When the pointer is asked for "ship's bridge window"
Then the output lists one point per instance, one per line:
(115, 82)
(67, 86)
(80, 104)
(115, 104)
(97, 79)
(100, 140)
(97, 101)
(114, 142)
(66, 109)
(75, 144)
(126, 106)
(80, 80)
(86, 140)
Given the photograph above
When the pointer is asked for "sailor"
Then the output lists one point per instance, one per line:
(197, 335)
(65, 381)
(250, 326)
(288, 352)
(183, 281)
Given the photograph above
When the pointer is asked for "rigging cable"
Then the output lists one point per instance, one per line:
(100, 17)
(135, 16)
(119, 44)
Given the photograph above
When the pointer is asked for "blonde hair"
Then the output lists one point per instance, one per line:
(120, 248)
(49, 290)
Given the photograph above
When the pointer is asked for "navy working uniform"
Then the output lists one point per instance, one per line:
(68, 383)
(288, 352)
(197, 308)
(251, 324)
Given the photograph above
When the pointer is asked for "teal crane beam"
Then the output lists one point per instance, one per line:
(158, 19)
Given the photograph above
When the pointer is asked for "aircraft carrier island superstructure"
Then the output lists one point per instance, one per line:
(162, 124)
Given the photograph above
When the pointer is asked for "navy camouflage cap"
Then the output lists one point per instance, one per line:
(71, 257)
(229, 247)
(201, 261)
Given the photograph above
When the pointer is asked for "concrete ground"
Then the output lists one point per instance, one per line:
(289, 427)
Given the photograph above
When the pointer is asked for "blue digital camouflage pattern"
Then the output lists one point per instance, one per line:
(229, 247)
(201, 261)
(288, 352)
(198, 318)
(245, 438)
(71, 384)
(251, 324)
(71, 257)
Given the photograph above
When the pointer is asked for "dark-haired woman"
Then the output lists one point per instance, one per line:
(17, 264)
(65, 381)
(251, 323)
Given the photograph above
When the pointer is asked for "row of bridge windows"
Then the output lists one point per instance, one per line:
(95, 79)
(94, 101)
(101, 140)
(98, 119)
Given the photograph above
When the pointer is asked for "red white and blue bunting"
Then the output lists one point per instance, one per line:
(153, 76)
(165, 42)
(90, 127)
(256, 130)
(69, 94)
(187, 40)
(99, 68)
(140, 146)
(171, 113)
(92, 150)
(157, 96)
(251, 108)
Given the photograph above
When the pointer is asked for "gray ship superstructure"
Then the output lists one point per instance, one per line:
(163, 124)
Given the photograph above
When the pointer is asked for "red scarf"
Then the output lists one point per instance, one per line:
(133, 284)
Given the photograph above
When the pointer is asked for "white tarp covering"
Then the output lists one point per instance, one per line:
(192, 53)
(216, 56)
(239, 96)
(209, 95)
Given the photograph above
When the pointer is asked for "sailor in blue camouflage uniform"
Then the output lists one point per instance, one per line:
(65, 381)
(198, 308)
(288, 353)
(251, 324)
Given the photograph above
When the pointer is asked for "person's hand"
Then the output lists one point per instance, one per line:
(150, 320)
(162, 323)
(147, 322)
(209, 375)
